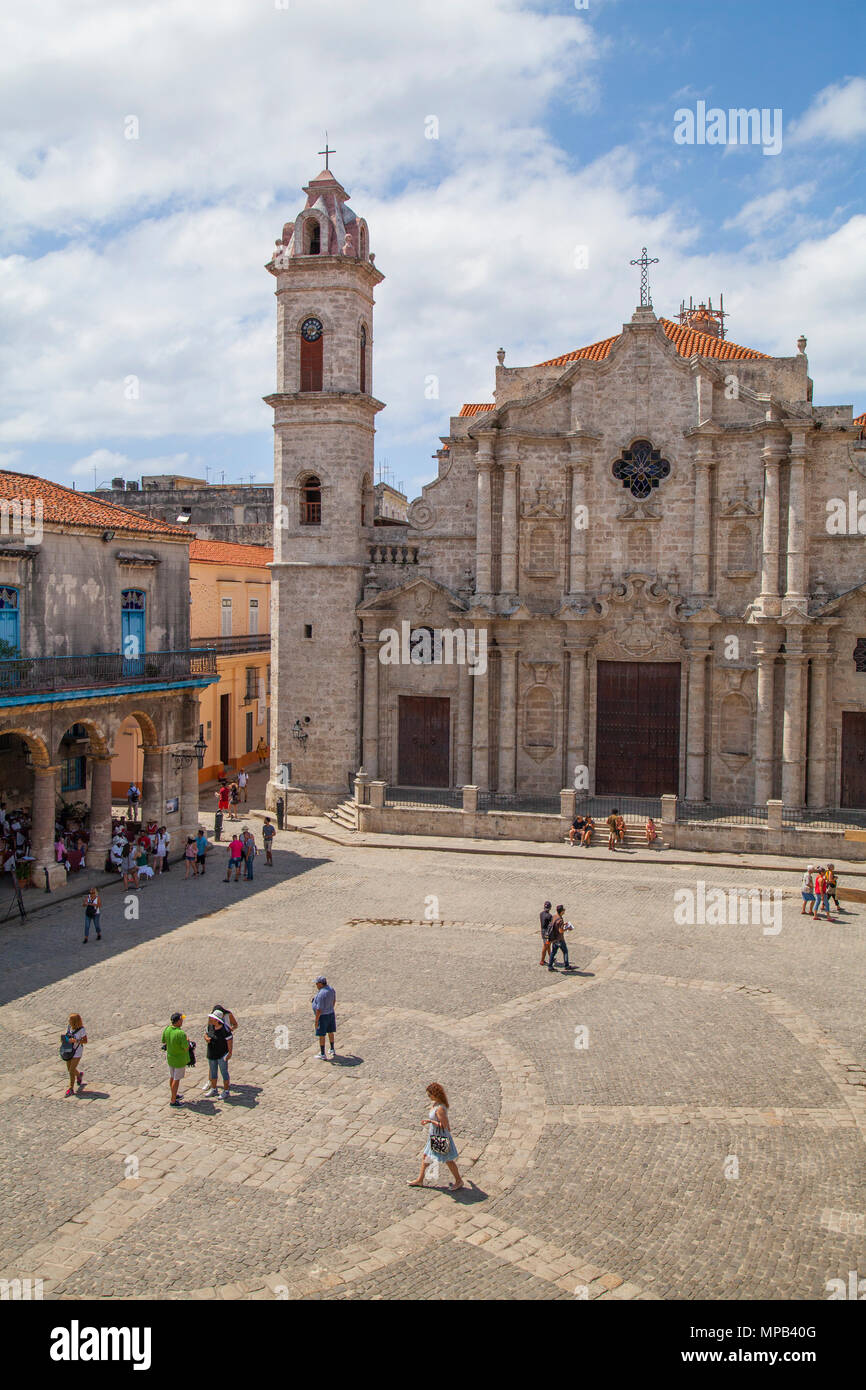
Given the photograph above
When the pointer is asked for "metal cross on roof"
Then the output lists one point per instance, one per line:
(326, 151)
(645, 261)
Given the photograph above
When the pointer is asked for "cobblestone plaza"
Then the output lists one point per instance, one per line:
(682, 1117)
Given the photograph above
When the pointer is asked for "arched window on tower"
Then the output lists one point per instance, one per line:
(312, 358)
(311, 501)
(315, 243)
(362, 352)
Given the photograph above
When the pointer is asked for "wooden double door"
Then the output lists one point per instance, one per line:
(853, 758)
(424, 741)
(637, 728)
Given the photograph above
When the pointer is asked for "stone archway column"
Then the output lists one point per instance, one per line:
(793, 728)
(766, 656)
(773, 452)
(796, 567)
(189, 799)
(152, 784)
(578, 467)
(370, 755)
(702, 522)
(508, 719)
(463, 767)
(480, 726)
(100, 813)
(483, 525)
(577, 752)
(817, 793)
(43, 816)
(508, 583)
(697, 713)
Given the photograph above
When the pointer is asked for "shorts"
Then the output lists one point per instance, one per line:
(327, 1024)
(221, 1063)
(808, 897)
(176, 1073)
(199, 859)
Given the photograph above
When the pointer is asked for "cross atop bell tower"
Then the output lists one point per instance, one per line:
(645, 261)
(326, 152)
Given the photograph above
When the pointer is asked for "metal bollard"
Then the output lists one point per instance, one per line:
(217, 825)
(281, 811)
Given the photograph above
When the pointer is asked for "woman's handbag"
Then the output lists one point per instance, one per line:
(438, 1140)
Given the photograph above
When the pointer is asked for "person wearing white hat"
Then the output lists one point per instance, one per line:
(218, 1036)
(807, 889)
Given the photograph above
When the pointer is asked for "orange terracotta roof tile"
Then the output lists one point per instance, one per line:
(65, 507)
(230, 553)
(476, 409)
(687, 341)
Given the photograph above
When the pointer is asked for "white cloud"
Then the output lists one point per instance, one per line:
(837, 113)
(767, 210)
(105, 462)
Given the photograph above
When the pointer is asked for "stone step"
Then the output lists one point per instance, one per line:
(345, 815)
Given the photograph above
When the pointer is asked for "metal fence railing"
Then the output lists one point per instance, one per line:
(425, 796)
(22, 675)
(505, 801)
(629, 807)
(712, 813)
(823, 818)
(234, 646)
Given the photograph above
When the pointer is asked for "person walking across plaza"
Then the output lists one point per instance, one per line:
(557, 930)
(92, 909)
(807, 892)
(176, 1046)
(202, 845)
(133, 796)
(268, 833)
(236, 857)
(545, 917)
(234, 801)
(250, 851)
(324, 1002)
(832, 886)
(218, 1036)
(440, 1146)
(189, 858)
(611, 829)
(261, 752)
(71, 1050)
(243, 779)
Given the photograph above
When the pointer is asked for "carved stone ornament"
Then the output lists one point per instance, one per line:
(634, 641)
(423, 597)
(540, 504)
(421, 515)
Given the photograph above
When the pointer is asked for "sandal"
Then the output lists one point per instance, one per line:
(416, 1183)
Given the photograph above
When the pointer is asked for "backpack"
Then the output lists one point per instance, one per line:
(67, 1047)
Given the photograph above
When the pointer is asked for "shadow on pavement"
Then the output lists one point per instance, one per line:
(164, 904)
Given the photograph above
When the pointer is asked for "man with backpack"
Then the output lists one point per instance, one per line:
(546, 917)
(133, 796)
(556, 936)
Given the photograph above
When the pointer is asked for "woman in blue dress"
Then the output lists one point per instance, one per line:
(440, 1146)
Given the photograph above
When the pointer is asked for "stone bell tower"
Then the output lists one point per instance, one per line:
(324, 425)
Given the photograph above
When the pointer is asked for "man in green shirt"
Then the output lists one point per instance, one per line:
(176, 1044)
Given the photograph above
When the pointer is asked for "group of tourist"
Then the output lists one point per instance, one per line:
(553, 932)
(820, 884)
(230, 794)
(14, 839)
(583, 828)
(136, 857)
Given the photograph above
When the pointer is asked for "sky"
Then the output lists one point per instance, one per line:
(151, 152)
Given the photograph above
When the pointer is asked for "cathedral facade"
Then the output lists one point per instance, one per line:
(640, 569)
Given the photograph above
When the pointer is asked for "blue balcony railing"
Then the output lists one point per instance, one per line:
(34, 675)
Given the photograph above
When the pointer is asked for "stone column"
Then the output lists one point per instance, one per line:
(576, 753)
(773, 452)
(579, 468)
(483, 520)
(697, 707)
(465, 683)
(702, 520)
(152, 807)
(796, 571)
(817, 794)
(766, 656)
(42, 829)
(370, 747)
(189, 796)
(508, 582)
(793, 752)
(480, 729)
(100, 813)
(508, 718)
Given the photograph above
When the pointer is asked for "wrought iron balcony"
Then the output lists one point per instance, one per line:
(29, 675)
(234, 646)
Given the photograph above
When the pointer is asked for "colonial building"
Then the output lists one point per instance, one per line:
(94, 636)
(657, 541)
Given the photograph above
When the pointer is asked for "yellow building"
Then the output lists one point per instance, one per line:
(230, 610)
(230, 588)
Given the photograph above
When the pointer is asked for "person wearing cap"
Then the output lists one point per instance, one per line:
(323, 1007)
(176, 1045)
(218, 1036)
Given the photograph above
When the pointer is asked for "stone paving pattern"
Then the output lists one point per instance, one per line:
(592, 1172)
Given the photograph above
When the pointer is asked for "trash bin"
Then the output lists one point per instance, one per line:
(281, 810)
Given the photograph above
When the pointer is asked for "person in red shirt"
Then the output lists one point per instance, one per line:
(236, 857)
(820, 890)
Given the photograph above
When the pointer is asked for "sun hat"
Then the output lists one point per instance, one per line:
(218, 1016)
